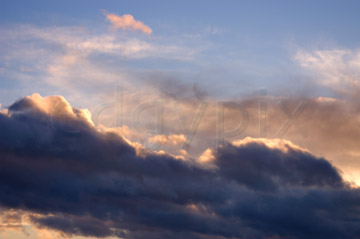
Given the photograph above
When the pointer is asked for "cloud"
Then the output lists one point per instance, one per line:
(336, 68)
(127, 22)
(11, 219)
(53, 106)
(295, 118)
(168, 139)
(73, 178)
(71, 60)
(285, 164)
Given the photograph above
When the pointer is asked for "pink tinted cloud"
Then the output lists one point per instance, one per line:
(127, 22)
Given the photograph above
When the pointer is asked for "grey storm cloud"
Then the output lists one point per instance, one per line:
(81, 181)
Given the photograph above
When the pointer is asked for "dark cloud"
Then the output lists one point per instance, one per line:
(261, 168)
(84, 182)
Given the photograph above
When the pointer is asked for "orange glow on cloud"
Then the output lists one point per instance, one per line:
(127, 22)
(58, 105)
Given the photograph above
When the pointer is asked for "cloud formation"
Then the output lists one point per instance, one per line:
(127, 22)
(335, 68)
(81, 181)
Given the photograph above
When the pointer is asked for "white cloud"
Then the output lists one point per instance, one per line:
(73, 61)
(338, 69)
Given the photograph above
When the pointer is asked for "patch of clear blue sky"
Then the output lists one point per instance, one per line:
(258, 34)
(267, 19)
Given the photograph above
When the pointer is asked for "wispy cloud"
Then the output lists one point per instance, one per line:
(71, 59)
(335, 68)
(127, 22)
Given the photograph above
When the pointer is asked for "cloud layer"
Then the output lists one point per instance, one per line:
(77, 180)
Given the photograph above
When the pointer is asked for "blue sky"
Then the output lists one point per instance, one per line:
(239, 46)
(265, 20)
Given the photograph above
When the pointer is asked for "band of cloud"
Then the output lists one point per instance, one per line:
(81, 181)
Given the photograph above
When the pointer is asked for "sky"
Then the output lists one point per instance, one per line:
(179, 119)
